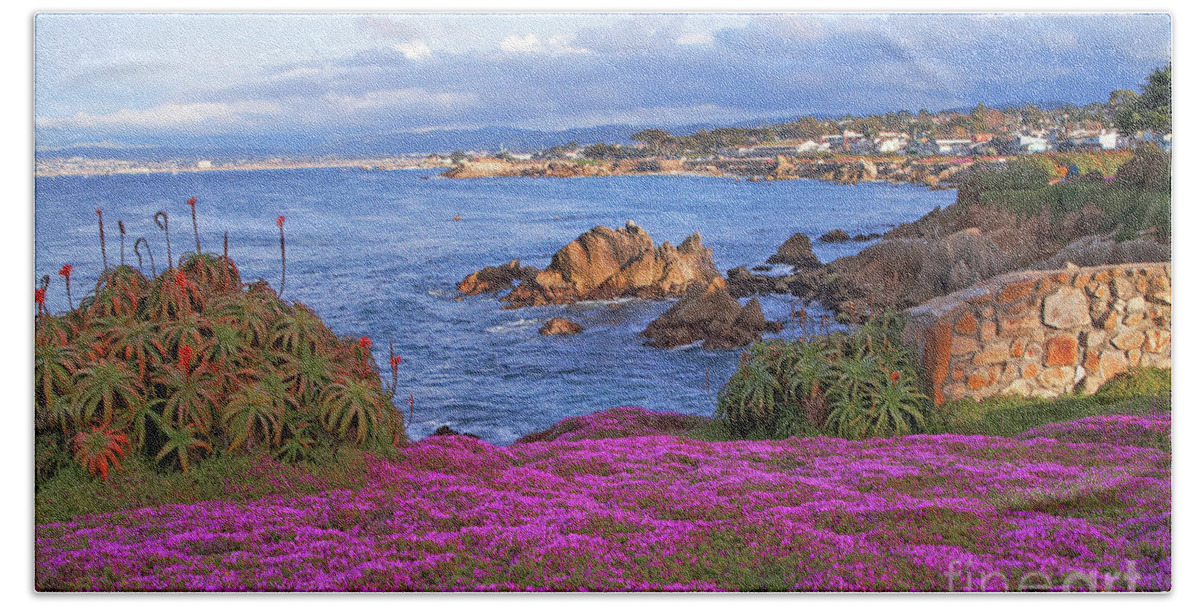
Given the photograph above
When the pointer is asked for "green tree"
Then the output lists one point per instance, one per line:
(1150, 111)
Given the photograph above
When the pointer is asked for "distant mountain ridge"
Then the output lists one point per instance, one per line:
(431, 141)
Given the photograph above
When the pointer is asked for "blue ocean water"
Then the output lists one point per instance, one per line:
(377, 253)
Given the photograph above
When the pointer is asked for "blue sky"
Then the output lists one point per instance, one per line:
(108, 77)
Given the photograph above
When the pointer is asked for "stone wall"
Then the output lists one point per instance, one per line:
(1043, 333)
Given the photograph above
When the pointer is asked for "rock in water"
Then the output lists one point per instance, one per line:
(605, 263)
(797, 251)
(837, 235)
(446, 431)
(741, 282)
(559, 326)
(710, 314)
(495, 278)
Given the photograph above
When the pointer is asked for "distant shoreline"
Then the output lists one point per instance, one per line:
(97, 167)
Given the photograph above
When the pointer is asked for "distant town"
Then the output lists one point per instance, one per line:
(1127, 120)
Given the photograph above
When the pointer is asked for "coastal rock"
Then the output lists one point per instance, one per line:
(495, 278)
(1097, 250)
(709, 313)
(446, 431)
(559, 326)
(741, 283)
(837, 235)
(605, 263)
(797, 251)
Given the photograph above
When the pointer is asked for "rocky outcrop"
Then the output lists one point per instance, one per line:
(495, 278)
(837, 235)
(559, 326)
(446, 431)
(952, 248)
(605, 263)
(797, 251)
(708, 313)
(1097, 250)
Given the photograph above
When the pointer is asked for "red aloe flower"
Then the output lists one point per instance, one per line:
(192, 202)
(364, 343)
(895, 377)
(180, 280)
(185, 358)
(279, 221)
(395, 362)
(39, 297)
(65, 272)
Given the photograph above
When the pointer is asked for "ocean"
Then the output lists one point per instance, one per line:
(378, 253)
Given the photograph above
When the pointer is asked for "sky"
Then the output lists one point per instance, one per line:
(113, 77)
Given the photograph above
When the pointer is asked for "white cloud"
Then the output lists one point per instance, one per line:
(694, 38)
(415, 50)
(169, 115)
(411, 98)
(530, 43)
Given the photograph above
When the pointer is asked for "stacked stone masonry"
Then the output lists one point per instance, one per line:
(1044, 333)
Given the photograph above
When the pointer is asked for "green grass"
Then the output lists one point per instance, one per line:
(231, 477)
(1143, 391)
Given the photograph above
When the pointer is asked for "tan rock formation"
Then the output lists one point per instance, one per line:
(559, 326)
(605, 263)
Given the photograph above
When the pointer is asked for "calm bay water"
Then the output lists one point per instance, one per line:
(377, 253)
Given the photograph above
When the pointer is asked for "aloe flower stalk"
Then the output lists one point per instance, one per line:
(103, 253)
(394, 361)
(195, 227)
(121, 228)
(143, 241)
(39, 294)
(226, 248)
(65, 273)
(282, 256)
(160, 219)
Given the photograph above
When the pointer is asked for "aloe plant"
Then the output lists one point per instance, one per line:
(149, 253)
(121, 229)
(160, 219)
(65, 273)
(180, 441)
(99, 449)
(39, 295)
(282, 256)
(195, 227)
(103, 388)
(103, 252)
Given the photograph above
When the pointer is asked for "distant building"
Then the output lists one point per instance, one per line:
(204, 164)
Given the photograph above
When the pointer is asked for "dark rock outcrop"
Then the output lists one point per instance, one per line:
(797, 251)
(559, 326)
(952, 248)
(741, 283)
(446, 431)
(1097, 250)
(709, 313)
(605, 263)
(495, 278)
(837, 235)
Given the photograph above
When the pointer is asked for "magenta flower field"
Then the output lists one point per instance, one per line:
(1083, 505)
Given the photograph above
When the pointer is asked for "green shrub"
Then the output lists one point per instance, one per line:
(853, 385)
